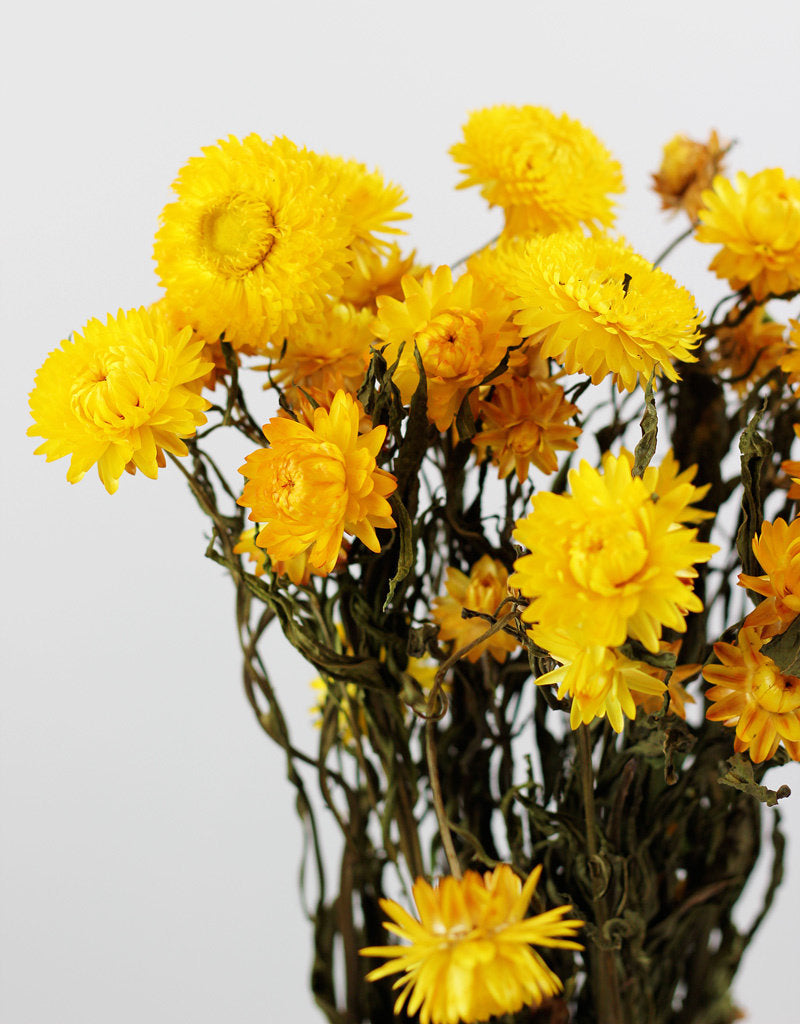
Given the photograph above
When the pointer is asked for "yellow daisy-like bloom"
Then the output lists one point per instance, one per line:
(611, 560)
(371, 205)
(482, 591)
(459, 330)
(330, 354)
(118, 396)
(757, 222)
(600, 681)
(314, 484)
(598, 307)
(548, 173)
(750, 350)
(256, 241)
(296, 568)
(751, 693)
(777, 549)
(524, 422)
(687, 168)
(470, 954)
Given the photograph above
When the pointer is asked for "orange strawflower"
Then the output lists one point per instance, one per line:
(752, 694)
(777, 549)
(750, 350)
(482, 591)
(687, 168)
(313, 485)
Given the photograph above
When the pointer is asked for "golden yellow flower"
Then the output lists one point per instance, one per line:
(296, 568)
(482, 591)
(777, 549)
(751, 693)
(790, 360)
(750, 350)
(547, 172)
(524, 422)
(257, 240)
(371, 205)
(598, 307)
(458, 329)
(610, 560)
(687, 168)
(313, 485)
(331, 354)
(118, 396)
(676, 492)
(757, 223)
(601, 681)
(470, 954)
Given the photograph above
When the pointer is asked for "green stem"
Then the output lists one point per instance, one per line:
(604, 971)
(438, 802)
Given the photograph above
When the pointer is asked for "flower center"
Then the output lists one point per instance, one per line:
(605, 556)
(109, 394)
(775, 692)
(239, 235)
(450, 344)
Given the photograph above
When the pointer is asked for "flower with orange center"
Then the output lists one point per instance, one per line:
(757, 223)
(482, 591)
(748, 351)
(610, 560)
(777, 549)
(459, 330)
(524, 422)
(469, 955)
(312, 485)
(687, 168)
(752, 694)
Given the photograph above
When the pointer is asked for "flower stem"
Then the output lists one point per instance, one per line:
(604, 971)
(438, 802)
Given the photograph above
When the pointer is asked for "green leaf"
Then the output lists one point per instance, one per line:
(755, 449)
(646, 448)
(405, 560)
(740, 776)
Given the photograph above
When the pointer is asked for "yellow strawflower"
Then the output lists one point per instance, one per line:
(757, 223)
(524, 423)
(601, 681)
(469, 955)
(257, 240)
(777, 549)
(687, 168)
(378, 273)
(547, 172)
(312, 485)
(119, 395)
(752, 694)
(482, 591)
(459, 330)
(611, 560)
(371, 205)
(597, 307)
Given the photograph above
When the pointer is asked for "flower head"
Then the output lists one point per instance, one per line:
(483, 591)
(777, 549)
(610, 560)
(598, 307)
(458, 329)
(752, 694)
(757, 223)
(524, 422)
(548, 173)
(119, 395)
(257, 240)
(470, 954)
(748, 351)
(314, 484)
(687, 168)
(379, 273)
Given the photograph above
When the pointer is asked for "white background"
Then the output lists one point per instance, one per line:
(149, 847)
